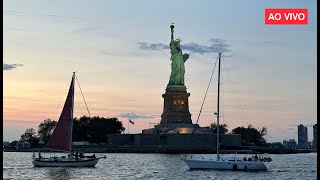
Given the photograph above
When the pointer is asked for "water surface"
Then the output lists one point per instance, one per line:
(18, 165)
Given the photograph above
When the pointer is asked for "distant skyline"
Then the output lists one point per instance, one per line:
(120, 52)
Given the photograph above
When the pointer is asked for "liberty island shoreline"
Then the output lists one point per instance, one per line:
(171, 150)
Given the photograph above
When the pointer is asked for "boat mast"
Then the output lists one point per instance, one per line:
(218, 107)
(73, 77)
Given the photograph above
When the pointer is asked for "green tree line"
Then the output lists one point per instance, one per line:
(92, 129)
(249, 135)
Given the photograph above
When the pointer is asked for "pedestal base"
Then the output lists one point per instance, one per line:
(176, 106)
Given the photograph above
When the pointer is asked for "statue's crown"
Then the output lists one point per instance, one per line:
(177, 40)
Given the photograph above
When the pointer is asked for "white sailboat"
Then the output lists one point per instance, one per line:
(61, 139)
(220, 163)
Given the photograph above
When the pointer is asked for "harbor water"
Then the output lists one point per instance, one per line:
(18, 165)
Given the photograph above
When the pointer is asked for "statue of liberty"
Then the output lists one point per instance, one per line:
(177, 62)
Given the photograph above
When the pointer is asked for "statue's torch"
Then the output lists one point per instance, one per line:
(172, 26)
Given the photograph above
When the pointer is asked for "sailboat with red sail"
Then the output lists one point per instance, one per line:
(61, 140)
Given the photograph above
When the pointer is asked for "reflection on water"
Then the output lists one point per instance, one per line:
(56, 173)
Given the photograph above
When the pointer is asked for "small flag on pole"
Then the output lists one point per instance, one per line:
(131, 121)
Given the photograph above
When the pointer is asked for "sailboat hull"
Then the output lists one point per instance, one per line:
(66, 163)
(225, 164)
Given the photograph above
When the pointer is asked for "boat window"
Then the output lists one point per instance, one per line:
(231, 160)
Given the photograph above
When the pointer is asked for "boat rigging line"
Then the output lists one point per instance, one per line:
(83, 97)
(205, 94)
(236, 97)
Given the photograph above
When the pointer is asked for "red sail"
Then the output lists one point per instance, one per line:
(61, 137)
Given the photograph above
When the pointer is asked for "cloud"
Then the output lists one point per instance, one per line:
(132, 115)
(153, 46)
(214, 45)
(10, 66)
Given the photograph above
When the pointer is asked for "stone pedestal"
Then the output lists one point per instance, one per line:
(176, 106)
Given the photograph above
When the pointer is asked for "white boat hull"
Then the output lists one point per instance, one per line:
(225, 165)
(66, 163)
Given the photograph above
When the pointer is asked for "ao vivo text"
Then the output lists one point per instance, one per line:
(286, 16)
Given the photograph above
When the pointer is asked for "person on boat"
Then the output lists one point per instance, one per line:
(39, 155)
(81, 154)
(76, 155)
(244, 159)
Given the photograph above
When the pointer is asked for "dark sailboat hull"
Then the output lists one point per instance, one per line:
(65, 163)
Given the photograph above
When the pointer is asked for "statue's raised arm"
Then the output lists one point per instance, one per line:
(172, 27)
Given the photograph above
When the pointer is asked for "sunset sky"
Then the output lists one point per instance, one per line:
(119, 50)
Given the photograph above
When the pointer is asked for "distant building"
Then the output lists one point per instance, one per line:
(302, 135)
(315, 133)
(6, 144)
(23, 145)
(285, 143)
(290, 143)
(276, 143)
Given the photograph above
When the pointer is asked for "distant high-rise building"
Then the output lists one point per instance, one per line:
(302, 135)
(315, 134)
